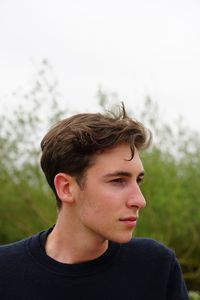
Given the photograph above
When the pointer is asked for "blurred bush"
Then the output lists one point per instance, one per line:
(194, 295)
(172, 191)
(171, 185)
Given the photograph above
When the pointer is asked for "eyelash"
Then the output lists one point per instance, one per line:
(122, 181)
(139, 180)
(118, 181)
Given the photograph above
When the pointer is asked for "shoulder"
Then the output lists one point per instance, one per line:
(9, 248)
(13, 258)
(21, 252)
(148, 250)
(144, 244)
(146, 257)
(155, 263)
(16, 253)
(13, 250)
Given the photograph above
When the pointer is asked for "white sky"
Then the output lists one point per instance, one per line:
(134, 48)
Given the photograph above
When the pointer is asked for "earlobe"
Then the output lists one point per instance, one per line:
(64, 187)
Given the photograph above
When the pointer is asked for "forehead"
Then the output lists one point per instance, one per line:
(117, 158)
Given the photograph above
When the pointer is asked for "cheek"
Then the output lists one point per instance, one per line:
(95, 211)
(99, 202)
(89, 206)
(92, 208)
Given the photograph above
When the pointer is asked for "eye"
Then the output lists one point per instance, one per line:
(139, 180)
(118, 181)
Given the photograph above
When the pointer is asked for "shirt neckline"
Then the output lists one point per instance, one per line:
(37, 251)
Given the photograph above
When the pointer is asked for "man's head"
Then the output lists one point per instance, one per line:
(71, 145)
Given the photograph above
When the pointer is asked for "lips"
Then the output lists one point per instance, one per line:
(129, 221)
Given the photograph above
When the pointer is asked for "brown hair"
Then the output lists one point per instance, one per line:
(70, 146)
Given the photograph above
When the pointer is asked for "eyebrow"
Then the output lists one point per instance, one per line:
(122, 173)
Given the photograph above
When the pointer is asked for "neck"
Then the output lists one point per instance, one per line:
(68, 244)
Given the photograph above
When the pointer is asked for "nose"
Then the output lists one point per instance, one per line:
(136, 198)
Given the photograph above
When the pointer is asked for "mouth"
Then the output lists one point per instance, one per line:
(129, 221)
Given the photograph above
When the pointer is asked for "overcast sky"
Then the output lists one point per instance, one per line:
(134, 48)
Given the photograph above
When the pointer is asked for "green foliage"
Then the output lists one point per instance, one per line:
(172, 191)
(27, 204)
(194, 295)
(171, 186)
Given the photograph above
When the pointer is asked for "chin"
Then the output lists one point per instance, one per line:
(122, 239)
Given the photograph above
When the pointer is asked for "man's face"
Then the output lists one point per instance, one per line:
(108, 205)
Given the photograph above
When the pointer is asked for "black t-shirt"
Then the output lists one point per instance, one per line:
(141, 269)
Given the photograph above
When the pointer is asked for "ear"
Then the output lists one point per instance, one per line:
(64, 184)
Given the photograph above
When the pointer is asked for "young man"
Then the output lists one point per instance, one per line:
(92, 163)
